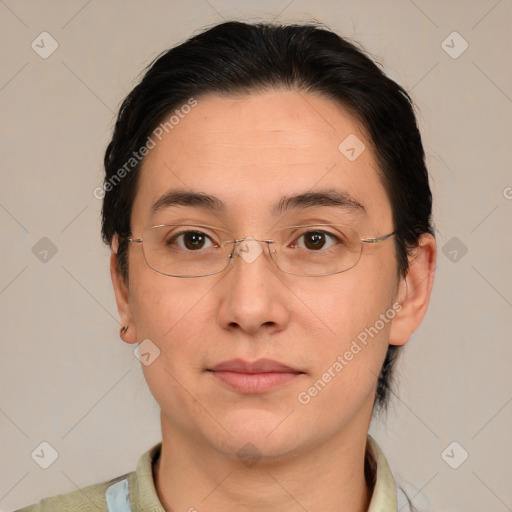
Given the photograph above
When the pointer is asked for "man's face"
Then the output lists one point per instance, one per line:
(250, 152)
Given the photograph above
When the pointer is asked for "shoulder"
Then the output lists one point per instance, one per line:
(88, 499)
(135, 490)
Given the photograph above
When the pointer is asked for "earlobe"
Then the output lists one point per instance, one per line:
(127, 330)
(414, 291)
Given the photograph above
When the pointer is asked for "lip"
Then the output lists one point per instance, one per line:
(258, 366)
(254, 377)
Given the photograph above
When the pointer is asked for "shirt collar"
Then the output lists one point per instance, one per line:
(384, 492)
(143, 495)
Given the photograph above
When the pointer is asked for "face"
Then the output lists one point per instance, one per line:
(250, 152)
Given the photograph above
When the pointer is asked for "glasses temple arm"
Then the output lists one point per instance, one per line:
(379, 239)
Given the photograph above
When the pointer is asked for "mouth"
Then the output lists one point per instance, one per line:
(257, 377)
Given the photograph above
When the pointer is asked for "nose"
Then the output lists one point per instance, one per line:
(252, 297)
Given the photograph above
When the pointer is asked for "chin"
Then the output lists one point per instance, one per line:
(260, 435)
(265, 452)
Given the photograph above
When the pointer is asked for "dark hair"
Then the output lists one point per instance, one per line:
(234, 58)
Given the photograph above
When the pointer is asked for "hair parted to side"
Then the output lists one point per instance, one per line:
(234, 58)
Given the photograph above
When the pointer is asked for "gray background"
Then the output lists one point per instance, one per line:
(65, 376)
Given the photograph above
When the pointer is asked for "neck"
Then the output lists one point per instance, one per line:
(193, 475)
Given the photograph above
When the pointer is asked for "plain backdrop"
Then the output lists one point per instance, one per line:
(65, 376)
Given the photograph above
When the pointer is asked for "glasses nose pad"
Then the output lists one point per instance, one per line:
(249, 249)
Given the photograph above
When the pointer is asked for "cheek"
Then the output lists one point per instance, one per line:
(344, 387)
(177, 315)
(343, 305)
(163, 306)
(355, 313)
(346, 370)
(173, 313)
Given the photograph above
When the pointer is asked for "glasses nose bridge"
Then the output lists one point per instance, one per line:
(246, 254)
(238, 240)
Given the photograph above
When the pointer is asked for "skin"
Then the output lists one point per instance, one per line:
(249, 151)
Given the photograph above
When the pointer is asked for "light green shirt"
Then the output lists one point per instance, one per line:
(138, 488)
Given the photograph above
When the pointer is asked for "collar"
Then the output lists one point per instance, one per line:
(143, 495)
(384, 492)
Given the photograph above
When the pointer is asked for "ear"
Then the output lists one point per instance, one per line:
(122, 294)
(414, 291)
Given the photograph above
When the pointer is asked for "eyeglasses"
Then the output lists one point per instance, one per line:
(193, 250)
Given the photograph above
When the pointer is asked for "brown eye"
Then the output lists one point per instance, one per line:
(315, 240)
(191, 240)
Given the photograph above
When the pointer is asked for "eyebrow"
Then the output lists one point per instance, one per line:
(185, 198)
(328, 197)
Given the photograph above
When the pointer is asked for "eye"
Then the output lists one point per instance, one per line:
(316, 240)
(191, 240)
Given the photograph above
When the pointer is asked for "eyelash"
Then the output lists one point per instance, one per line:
(327, 233)
(294, 243)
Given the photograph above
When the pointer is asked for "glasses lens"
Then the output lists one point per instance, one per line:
(194, 251)
(185, 250)
(317, 250)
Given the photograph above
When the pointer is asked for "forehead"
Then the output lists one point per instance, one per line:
(252, 150)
